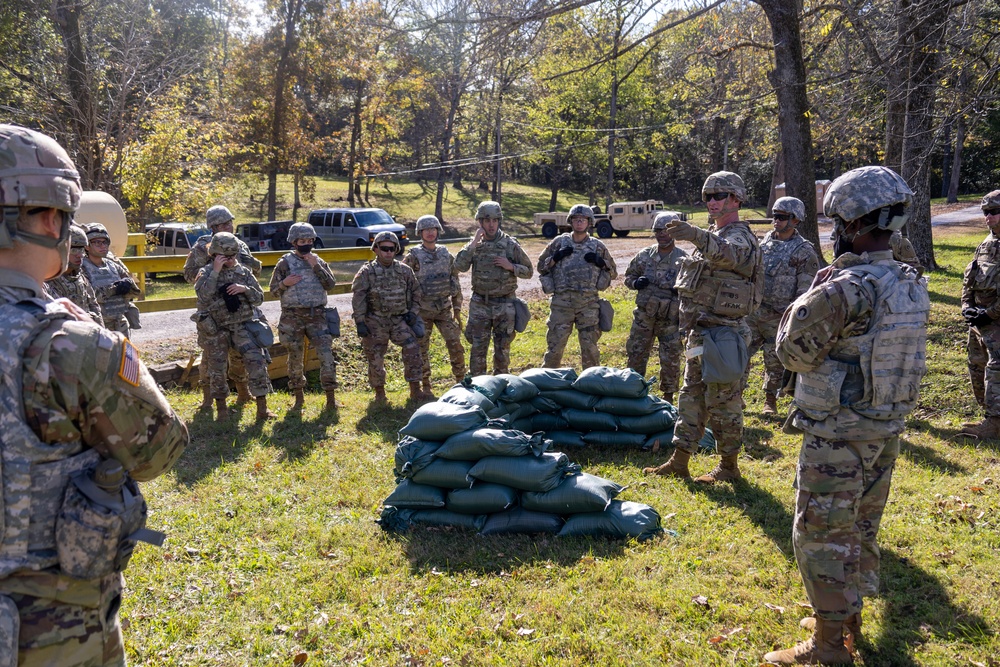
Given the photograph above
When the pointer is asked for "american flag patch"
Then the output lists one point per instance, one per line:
(129, 370)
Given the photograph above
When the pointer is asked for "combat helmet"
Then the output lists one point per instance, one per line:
(77, 237)
(429, 222)
(224, 243)
(489, 209)
(727, 182)
(301, 230)
(790, 205)
(663, 219)
(860, 191)
(218, 215)
(581, 209)
(385, 236)
(991, 200)
(96, 230)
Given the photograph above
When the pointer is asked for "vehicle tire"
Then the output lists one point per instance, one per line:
(621, 233)
(361, 244)
(604, 229)
(280, 243)
(318, 243)
(550, 230)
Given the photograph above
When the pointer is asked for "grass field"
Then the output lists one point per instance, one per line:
(273, 556)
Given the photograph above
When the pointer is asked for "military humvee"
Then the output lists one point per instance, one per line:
(621, 218)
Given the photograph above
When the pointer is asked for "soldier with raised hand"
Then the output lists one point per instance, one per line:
(73, 283)
(857, 340)
(573, 268)
(110, 278)
(790, 262)
(497, 261)
(981, 310)
(441, 303)
(301, 281)
(652, 273)
(387, 307)
(219, 219)
(719, 286)
(80, 409)
(227, 296)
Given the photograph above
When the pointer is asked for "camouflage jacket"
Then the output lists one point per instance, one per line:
(211, 302)
(76, 287)
(487, 278)
(981, 283)
(789, 267)
(386, 291)
(574, 273)
(199, 257)
(437, 275)
(103, 278)
(310, 292)
(660, 269)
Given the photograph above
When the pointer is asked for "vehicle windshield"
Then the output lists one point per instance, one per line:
(372, 218)
(196, 233)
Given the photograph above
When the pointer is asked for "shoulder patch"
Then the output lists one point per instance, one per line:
(802, 312)
(129, 368)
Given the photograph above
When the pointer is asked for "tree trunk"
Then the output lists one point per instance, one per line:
(352, 158)
(444, 157)
(956, 159)
(609, 189)
(777, 178)
(293, 10)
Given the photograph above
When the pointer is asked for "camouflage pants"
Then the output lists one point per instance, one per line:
(237, 372)
(215, 356)
(842, 490)
(383, 329)
(763, 333)
(444, 320)
(701, 404)
(294, 326)
(984, 367)
(494, 320)
(646, 328)
(119, 324)
(562, 318)
(58, 627)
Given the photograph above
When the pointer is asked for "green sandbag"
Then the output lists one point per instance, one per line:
(481, 499)
(570, 398)
(666, 438)
(474, 444)
(518, 520)
(616, 405)
(622, 519)
(440, 420)
(465, 396)
(522, 424)
(606, 381)
(413, 455)
(490, 386)
(542, 404)
(410, 495)
(400, 520)
(588, 420)
(565, 439)
(649, 424)
(499, 412)
(575, 494)
(527, 473)
(550, 379)
(517, 411)
(518, 389)
(614, 439)
(546, 421)
(446, 474)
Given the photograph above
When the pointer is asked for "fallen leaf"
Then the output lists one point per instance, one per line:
(300, 658)
(669, 516)
(774, 607)
(976, 489)
(524, 632)
(700, 600)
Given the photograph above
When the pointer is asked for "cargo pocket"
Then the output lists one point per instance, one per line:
(87, 536)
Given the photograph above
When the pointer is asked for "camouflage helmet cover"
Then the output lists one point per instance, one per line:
(36, 171)
(991, 200)
(218, 215)
(489, 209)
(301, 230)
(727, 182)
(77, 237)
(661, 219)
(428, 222)
(224, 243)
(96, 230)
(860, 191)
(790, 205)
(385, 236)
(581, 209)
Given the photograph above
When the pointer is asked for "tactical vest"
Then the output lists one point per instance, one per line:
(722, 292)
(574, 273)
(435, 273)
(662, 273)
(387, 294)
(35, 474)
(488, 279)
(780, 278)
(308, 292)
(101, 277)
(986, 281)
(215, 305)
(72, 287)
(876, 374)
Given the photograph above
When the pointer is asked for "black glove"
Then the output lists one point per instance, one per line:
(417, 325)
(642, 282)
(562, 253)
(232, 300)
(363, 331)
(981, 319)
(123, 286)
(969, 313)
(595, 259)
(410, 318)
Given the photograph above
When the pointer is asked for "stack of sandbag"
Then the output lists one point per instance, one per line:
(455, 467)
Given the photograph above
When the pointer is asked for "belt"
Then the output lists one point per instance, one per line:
(312, 310)
(492, 299)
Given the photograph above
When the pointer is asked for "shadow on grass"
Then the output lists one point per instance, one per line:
(758, 505)
(927, 457)
(385, 419)
(946, 299)
(756, 442)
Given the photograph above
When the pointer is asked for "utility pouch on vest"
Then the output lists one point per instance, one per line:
(205, 322)
(10, 629)
(103, 515)
(817, 393)
(605, 315)
(261, 334)
(689, 275)
(733, 297)
(548, 285)
(332, 321)
(521, 314)
(132, 315)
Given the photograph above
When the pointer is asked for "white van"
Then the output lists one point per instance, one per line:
(353, 227)
(173, 238)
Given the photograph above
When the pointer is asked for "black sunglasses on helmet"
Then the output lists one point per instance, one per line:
(716, 196)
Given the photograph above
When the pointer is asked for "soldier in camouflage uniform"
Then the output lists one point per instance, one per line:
(719, 286)
(790, 262)
(110, 279)
(228, 293)
(387, 307)
(73, 283)
(78, 403)
(573, 268)
(857, 340)
(301, 281)
(652, 274)
(981, 310)
(902, 249)
(497, 261)
(219, 219)
(441, 303)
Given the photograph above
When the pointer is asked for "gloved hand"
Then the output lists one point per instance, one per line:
(417, 325)
(642, 282)
(595, 259)
(682, 231)
(363, 331)
(410, 318)
(232, 300)
(562, 253)
(969, 313)
(981, 319)
(123, 286)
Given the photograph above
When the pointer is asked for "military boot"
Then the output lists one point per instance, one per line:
(331, 399)
(825, 647)
(852, 629)
(676, 466)
(988, 429)
(380, 397)
(300, 399)
(425, 389)
(206, 397)
(416, 395)
(222, 412)
(263, 413)
(668, 396)
(242, 393)
(770, 404)
(728, 470)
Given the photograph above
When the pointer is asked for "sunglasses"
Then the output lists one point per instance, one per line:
(387, 248)
(781, 216)
(100, 242)
(991, 211)
(716, 196)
